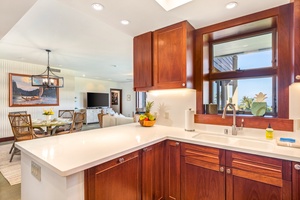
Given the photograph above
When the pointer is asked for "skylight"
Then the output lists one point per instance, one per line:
(171, 4)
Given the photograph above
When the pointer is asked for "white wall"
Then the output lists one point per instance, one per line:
(294, 102)
(128, 100)
(72, 96)
(84, 85)
(170, 105)
(66, 94)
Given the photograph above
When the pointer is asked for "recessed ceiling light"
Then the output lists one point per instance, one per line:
(97, 6)
(125, 22)
(169, 5)
(83, 75)
(231, 5)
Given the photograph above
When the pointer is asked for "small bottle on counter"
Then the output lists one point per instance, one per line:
(269, 132)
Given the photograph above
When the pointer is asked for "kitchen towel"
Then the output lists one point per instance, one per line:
(189, 120)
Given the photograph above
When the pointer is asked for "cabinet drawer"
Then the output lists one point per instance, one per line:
(207, 157)
(115, 162)
(259, 168)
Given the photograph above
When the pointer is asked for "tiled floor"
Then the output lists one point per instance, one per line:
(8, 192)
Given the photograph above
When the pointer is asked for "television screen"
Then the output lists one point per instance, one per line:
(97, 100)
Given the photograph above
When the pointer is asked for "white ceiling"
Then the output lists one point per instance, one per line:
(95, 43)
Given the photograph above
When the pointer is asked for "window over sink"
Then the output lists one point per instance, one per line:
(242, 67)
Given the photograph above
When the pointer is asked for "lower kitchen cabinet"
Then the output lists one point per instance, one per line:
(181, 171)
(296, 180)
(172, 170)
(257, 177)
(214, 174)
(152, 172)
(202, 173)
(116, 179)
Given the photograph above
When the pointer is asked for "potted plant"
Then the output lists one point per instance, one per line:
(48, 113)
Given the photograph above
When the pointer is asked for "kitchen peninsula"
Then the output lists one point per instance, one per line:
(54, 167)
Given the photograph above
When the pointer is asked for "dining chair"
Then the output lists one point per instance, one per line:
(22, 129)
(76, 125)
(15, 113)
(68, 114)
(78, 121)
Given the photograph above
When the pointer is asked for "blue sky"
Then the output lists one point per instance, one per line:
(250, 87)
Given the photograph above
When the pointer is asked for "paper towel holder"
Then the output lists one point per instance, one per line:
(188, 127)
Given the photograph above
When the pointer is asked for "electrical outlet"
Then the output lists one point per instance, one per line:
(36, 170)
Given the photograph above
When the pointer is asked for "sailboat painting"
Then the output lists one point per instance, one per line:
(22, 93)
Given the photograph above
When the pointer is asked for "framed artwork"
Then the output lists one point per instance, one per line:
(114, 98)
(21, 93)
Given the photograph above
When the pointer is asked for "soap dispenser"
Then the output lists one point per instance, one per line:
(269, 132)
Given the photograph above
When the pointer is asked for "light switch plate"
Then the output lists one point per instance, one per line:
(36, 170)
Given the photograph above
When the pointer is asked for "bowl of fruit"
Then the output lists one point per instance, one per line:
(147, 119)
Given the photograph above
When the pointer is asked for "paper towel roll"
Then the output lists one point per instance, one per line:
(189, 120)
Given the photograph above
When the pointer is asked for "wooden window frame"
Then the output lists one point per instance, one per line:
(270, 71)
(281, 18)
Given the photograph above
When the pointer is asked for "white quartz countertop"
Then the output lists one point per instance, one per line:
(72, 153)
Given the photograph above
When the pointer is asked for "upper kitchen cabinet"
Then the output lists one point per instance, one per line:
(173, 56)
(142, 60)
(296, 46)
(163, 59)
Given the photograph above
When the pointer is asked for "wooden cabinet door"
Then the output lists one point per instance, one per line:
(142, 62)
(257, 177)
(172, 170)
(296, 46)
(116, 179)
(173, 56)
(202, 173)
(296, 180)
(152, 172)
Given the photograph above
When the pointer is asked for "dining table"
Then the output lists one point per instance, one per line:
(50, 125)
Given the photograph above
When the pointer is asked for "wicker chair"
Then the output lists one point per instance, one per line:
(66, 114)
(21, 126)
(78, 121)
(15, 113)
(76, 125)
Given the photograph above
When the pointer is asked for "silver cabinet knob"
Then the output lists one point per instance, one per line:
(228, 171)
(297, 166)
(221, 169)
(121, 160)
(177, 144)
(297, 77)
(183, 84)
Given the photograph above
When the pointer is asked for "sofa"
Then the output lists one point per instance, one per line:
(107, 120)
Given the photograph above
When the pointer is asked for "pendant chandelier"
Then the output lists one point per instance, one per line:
(47, 79)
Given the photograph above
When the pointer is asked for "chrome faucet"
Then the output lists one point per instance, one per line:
(234, 128)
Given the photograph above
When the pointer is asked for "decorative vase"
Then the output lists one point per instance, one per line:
(259, 108)
(48, 118)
